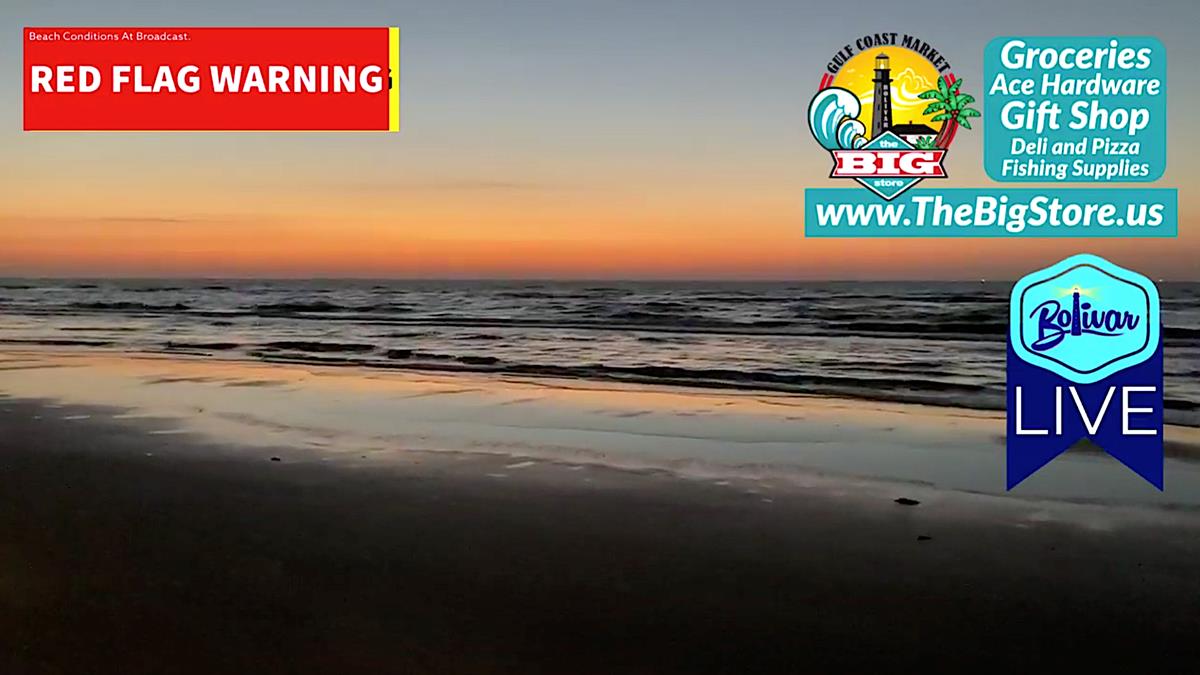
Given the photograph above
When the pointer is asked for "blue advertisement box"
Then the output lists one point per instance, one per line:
(1075, 109)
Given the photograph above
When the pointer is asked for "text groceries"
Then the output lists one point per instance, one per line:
(1075, 109)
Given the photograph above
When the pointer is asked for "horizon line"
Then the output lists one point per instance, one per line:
(533, 279)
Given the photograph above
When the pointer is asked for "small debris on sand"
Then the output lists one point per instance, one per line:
(906, 501)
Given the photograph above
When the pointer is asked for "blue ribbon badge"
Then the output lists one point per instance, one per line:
(1085, 361)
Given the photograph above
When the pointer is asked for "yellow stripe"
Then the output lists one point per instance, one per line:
(394, 92)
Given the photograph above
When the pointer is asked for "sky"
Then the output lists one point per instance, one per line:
(548, 139)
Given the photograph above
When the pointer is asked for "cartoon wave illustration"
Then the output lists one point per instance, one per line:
(833, 119)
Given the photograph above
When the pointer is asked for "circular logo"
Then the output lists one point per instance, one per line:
(887, 109)
(902, 85)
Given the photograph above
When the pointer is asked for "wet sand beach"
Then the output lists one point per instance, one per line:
(157, 531)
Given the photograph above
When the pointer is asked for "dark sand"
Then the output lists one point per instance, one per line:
(203, 558)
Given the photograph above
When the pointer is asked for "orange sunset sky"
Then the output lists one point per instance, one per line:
(538, 140)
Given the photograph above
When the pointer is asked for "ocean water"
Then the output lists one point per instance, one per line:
(936, 343)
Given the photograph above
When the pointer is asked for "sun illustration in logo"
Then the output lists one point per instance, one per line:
(922, 106)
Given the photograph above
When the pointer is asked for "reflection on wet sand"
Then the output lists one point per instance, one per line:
(348, 412)
(156, 515)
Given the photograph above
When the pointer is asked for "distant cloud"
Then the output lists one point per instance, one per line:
(138, 219)
(436, 184)
(17, 219)
(484, 185)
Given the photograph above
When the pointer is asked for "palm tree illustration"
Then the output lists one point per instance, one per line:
(952, 109)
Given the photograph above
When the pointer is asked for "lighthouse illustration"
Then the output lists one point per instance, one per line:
(881, 119)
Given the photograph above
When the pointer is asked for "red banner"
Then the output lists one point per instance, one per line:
(212, 79)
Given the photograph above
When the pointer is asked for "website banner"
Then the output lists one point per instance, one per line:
(993, 212)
